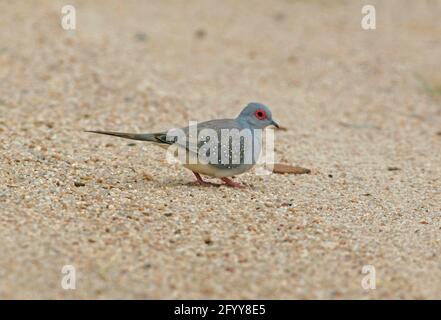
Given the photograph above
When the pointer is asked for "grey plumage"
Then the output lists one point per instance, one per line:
(253, 116)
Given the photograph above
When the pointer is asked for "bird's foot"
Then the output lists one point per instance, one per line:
(231, 183)
(200, 182)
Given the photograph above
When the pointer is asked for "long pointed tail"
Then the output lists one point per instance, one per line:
(134, 136)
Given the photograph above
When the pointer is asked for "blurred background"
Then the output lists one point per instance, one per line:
(361, 109)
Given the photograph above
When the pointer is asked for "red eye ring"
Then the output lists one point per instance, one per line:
(260, 114)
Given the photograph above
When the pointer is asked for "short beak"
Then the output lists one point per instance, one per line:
(275, 124)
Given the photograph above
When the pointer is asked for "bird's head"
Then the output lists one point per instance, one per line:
(257, 115)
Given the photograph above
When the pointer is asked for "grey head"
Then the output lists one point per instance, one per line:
(257, 116)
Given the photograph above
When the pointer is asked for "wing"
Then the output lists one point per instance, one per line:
(221, 151)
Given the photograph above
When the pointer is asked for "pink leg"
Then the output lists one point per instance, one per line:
(200, 181)
(231, 183)
(198, 177)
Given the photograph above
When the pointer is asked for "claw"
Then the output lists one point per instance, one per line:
(231, 183)
(200, 182)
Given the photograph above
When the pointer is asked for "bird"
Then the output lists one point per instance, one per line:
(253, 118)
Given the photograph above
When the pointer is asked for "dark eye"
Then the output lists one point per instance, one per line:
(260, 114)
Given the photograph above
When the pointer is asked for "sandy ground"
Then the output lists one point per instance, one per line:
(362, 110)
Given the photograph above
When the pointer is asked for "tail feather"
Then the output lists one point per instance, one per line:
(134, 136)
